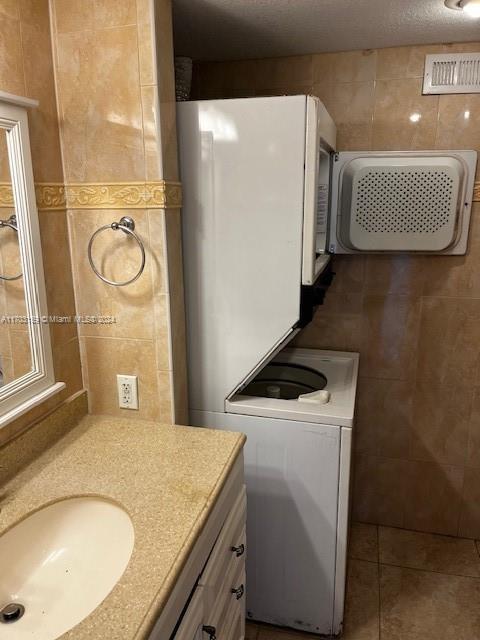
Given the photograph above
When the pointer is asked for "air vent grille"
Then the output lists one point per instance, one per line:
(452, 73)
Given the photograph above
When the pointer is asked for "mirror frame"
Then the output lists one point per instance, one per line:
(29, 390)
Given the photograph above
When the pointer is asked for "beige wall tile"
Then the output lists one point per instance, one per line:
(107, 357)
(99, 96)
(114, 13)
(283, 72)
(164, 397)
(403, 118)
(336, 324)
(7, 369)
(434, 497)
(10, 8)
(447, 332)
(402, 275)
(470, 515)
(67, 366)
(456, 276)
(151, 139)
(146, 56)
(390, 327)
(428, 552)
(384, 417)
(162, 334)
(43, 121)
(323, 68)
(58, 273)
(351, 106)
(349, 274)
(164, 50)
(118, 257)
(22, 356)
(473, 456)
(169, 141)
(176, 319)
(404, 62)
(355, 66)
(441, 422)
(12, 78)
(458, 118)
(35, 12)
(380, 490)
(241, 76)
(73, 16)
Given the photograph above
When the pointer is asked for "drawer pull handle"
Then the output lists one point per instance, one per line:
(239, 591)
(210, 631)
(238, 551)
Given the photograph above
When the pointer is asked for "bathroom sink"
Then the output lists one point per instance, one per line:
(59, 563)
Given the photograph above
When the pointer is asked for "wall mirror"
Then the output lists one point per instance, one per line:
(26, 366)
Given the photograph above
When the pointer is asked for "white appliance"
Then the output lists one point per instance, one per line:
(254, 231)
(297, 469)
(256, 177)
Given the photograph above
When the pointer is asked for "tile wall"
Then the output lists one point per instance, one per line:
(110, 97)
(414, 320)
(26, 69)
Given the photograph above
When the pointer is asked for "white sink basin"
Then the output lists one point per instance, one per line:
(60, 563)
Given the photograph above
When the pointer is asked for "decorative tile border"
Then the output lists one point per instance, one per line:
(113, 195)
(6, 195)
(50, 196)
(125, 195)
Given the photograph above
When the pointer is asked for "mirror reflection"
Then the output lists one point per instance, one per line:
(15, 351)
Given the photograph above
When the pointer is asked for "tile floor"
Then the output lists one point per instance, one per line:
(404, 585)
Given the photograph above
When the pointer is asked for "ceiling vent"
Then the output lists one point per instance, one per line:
(452, 73)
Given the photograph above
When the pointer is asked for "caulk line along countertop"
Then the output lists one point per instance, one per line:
(166, 477)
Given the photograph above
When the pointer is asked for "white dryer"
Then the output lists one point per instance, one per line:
(297, 414)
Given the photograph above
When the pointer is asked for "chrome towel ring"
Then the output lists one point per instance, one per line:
(127, 225)
(12, 224)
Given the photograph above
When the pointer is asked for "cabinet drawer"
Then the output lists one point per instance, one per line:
(235, 615)
(228, 553)
(228, 602)
(192, 621)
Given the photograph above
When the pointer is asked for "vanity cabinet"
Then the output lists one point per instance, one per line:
(208, 600)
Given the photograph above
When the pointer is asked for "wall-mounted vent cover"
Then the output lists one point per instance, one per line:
(405, 201)
(452, 73)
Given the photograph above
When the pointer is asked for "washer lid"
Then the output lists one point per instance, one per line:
(339, 368)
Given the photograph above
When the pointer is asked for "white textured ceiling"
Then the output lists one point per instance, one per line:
(241, 29)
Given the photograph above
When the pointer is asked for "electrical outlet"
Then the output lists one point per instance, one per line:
(127, 387)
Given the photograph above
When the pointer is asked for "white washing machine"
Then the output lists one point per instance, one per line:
(297, 414)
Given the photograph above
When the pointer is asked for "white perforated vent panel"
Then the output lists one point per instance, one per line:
(401, 201)
(410, 200)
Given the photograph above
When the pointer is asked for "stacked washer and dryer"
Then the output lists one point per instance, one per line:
(255, 199)
(257, 230)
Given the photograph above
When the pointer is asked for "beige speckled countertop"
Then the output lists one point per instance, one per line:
(167, 478)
